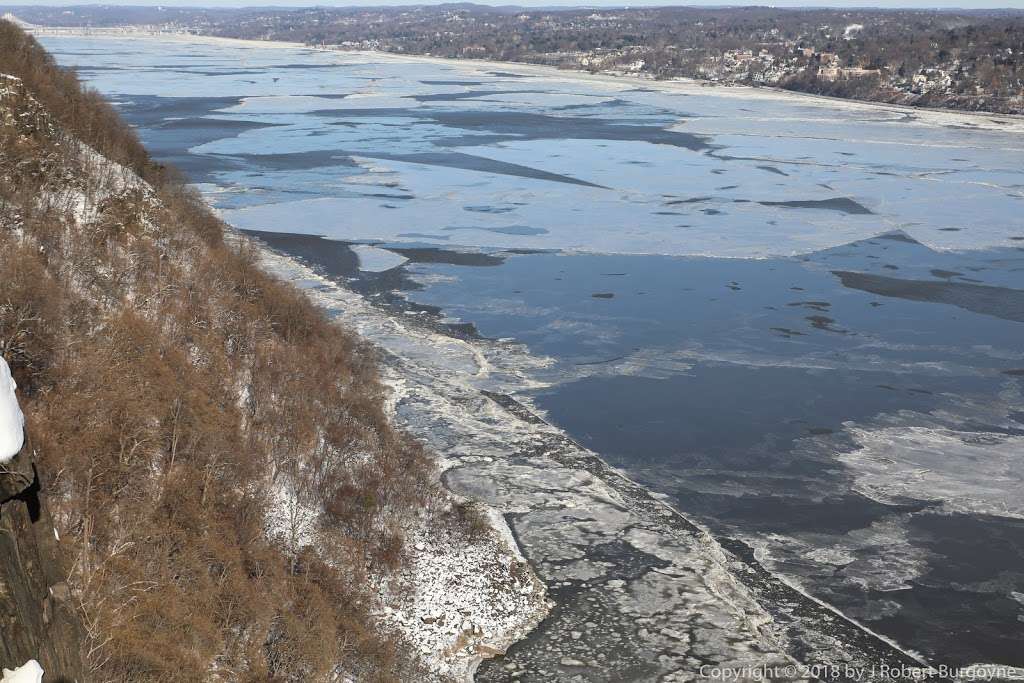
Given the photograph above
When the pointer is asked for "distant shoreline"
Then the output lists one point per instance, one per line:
(940, 116)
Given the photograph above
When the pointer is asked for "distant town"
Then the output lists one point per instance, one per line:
(970, 60)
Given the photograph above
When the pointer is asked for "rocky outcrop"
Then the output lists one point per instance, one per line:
(37, 617)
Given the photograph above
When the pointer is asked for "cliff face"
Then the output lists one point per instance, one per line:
(37, 619)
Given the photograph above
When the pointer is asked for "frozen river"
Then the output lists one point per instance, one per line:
(801, 321)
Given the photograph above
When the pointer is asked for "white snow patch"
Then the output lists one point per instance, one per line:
(9, 84)
(290, 520)
(463, 600)
(12, 421)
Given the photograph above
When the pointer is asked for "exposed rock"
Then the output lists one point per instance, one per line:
(37, 619)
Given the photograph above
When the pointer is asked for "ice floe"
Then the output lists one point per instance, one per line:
(376, 260)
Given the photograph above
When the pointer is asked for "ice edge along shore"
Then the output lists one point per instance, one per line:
(495, 457)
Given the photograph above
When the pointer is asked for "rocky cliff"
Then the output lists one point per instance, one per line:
(37, 618)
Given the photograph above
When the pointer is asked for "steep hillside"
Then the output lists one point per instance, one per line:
(232, 499)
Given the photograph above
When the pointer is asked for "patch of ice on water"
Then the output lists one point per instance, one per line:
(886, 557)
(376, 100)
(377, 260)
(376, 173)
(880, 557)
(924, 459)
(834, 556)
(282, 104)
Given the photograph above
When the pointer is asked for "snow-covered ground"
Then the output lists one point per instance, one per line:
(463, 600)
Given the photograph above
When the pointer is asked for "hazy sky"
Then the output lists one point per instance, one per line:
(964, 4)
